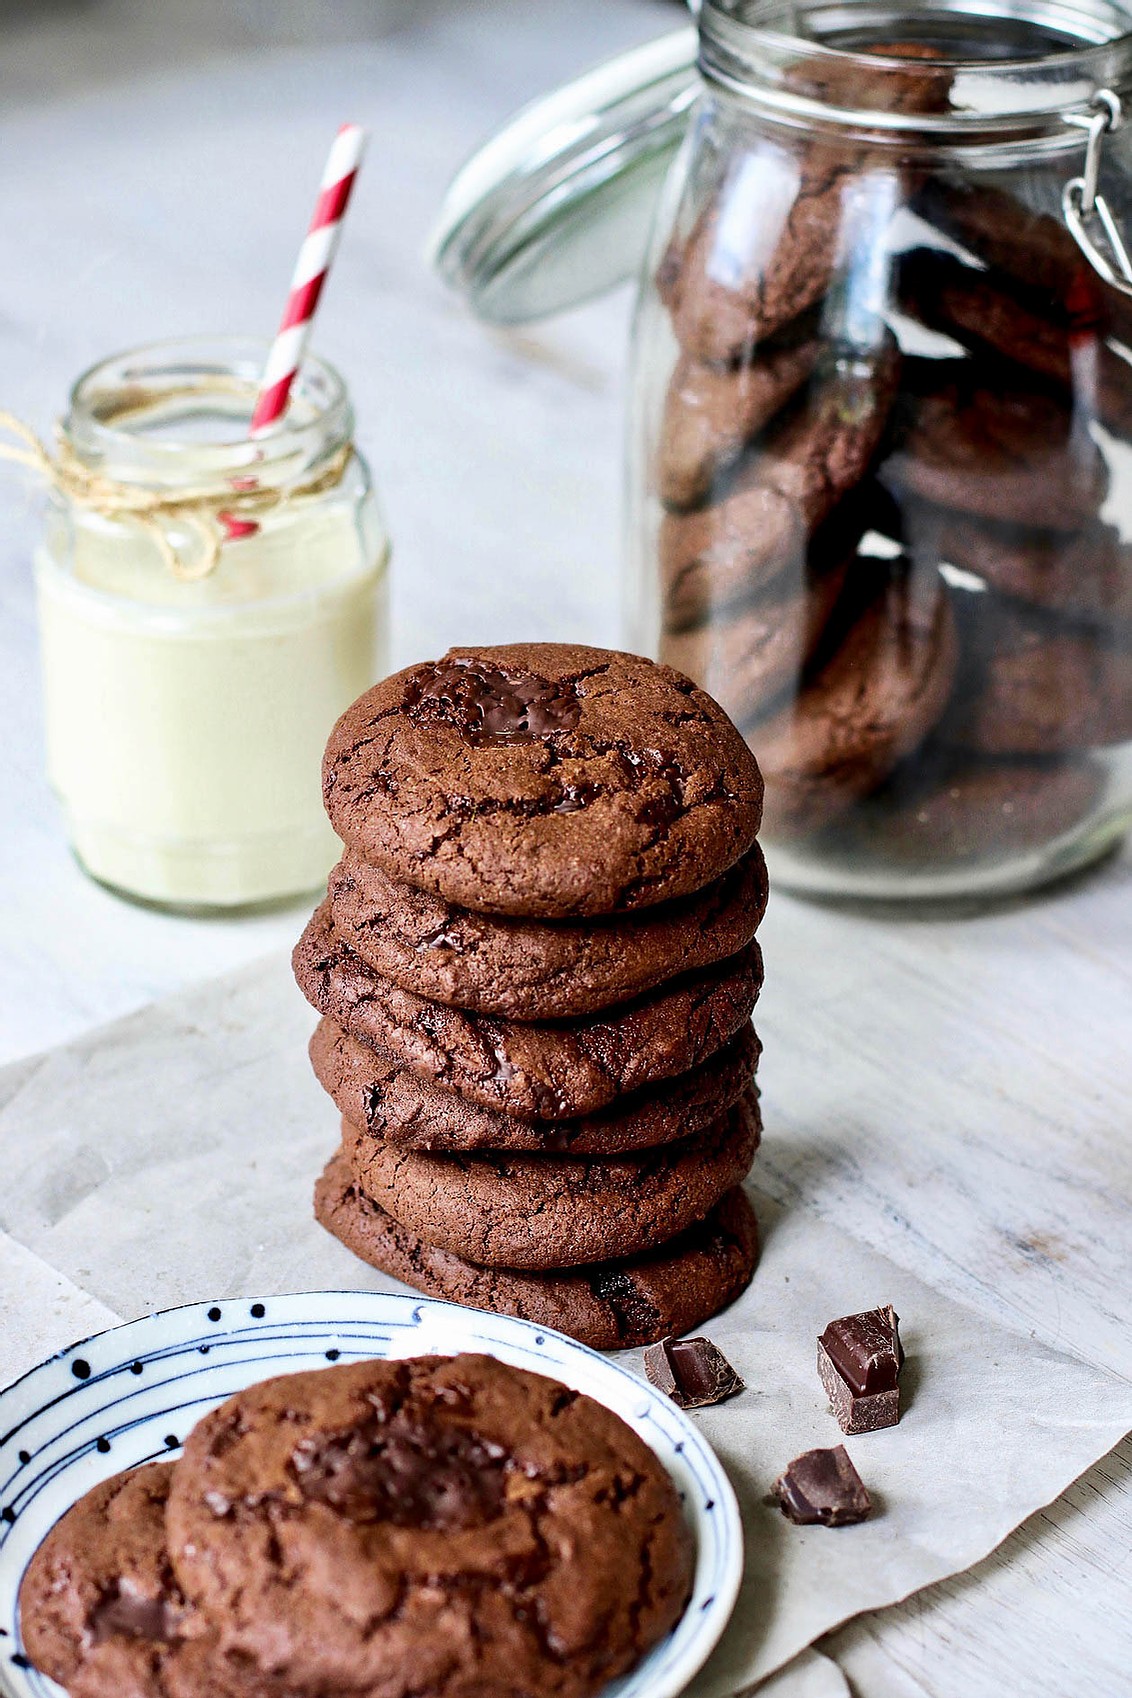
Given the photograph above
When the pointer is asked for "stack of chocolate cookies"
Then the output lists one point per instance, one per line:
(536, 967)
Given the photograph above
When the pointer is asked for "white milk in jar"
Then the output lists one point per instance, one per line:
(208, 607)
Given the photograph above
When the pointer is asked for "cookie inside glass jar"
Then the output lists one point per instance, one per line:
(880, 463)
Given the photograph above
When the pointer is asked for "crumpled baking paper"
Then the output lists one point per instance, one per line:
(170, 1157)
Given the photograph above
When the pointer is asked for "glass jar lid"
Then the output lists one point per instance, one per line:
(556, 208)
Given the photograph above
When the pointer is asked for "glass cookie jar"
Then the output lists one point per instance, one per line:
(880, 446)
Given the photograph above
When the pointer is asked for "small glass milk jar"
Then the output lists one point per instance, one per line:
(208, 606)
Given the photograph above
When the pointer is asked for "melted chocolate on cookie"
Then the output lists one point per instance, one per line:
(489, 702)
(404, 1471)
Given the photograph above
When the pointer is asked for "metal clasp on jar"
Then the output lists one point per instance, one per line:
(1082, 203)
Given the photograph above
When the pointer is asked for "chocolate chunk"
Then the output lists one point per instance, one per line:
(693, 1372)
(822, 1486)
(859, 1361)
(126, 1611)
(492, 703)
(404, 1472)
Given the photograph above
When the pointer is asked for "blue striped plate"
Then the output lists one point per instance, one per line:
(130, 1395)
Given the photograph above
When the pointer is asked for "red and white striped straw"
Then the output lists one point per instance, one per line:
(315, 258)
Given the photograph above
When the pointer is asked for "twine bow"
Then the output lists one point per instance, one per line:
(211, 513)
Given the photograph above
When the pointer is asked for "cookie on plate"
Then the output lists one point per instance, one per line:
(554, 1071)
(543, 1211)
(383, 1095)
(445, 1526)
(529, 969)
(543, 779)
(100, 1610)
(609, 1305)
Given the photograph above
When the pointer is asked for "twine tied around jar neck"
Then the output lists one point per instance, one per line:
(213, 513)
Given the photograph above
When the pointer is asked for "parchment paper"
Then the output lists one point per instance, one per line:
(170, 1158)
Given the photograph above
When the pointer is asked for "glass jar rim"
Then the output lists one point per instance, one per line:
(748, 46)
(203, 370)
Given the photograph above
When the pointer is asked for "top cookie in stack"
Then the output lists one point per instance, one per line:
(536, 966)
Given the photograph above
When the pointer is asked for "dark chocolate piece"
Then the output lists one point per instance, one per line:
(822, 1487)
(491, 702)
(693, 1372)
(859, 1361)
(126, 1612)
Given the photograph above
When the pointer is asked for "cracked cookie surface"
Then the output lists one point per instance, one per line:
(554, 1071)
(416, 1527)
(542, 1211)
(527, 969)
(543, 779)
(609, 1306)
(381, 1094)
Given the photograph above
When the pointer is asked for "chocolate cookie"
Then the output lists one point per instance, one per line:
(377, 1091)
(977, 309)
(555, 1211)
(759, 528)
(866, 707)
(787, 219)
(966, 809)
(1087, 576)
(712, 412)
(539, 970)
(1036, 685)
(748, 657)
(547, 1072)
(609, 1306)
(1003, 453)
(1031, 246)
(543, 780)
(742, 278)
(411, 1527)
(100, 1610)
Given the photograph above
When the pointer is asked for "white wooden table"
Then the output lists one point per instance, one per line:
(158, 165)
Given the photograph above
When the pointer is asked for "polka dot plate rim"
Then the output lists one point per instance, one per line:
(130, 1394)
